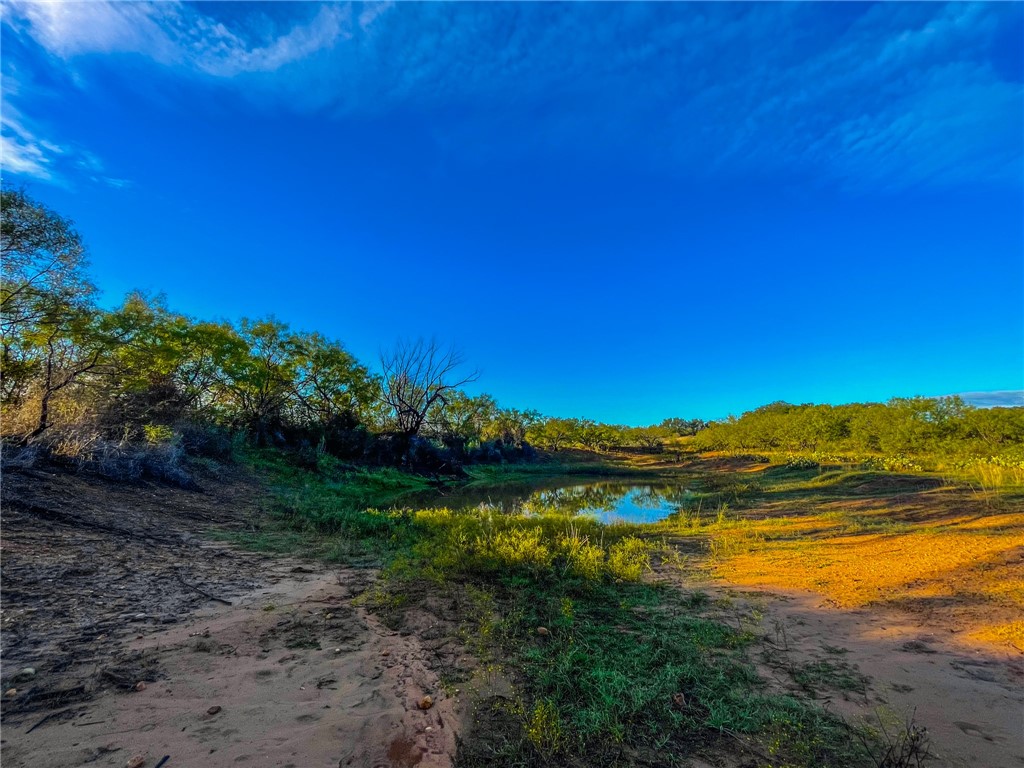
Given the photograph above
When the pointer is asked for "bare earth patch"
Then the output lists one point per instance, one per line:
(143, 639)
(290, 675)
(965, 572)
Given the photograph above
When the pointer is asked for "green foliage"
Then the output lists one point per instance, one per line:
(333, 510)
(482, 542)
(584, 559)
(898, 430)
(629, 558)
(555, 434)
(684, 427)
(465, 419)
(631, 673)
(43, 264)
(158, 433)
(802, 462)
(544, 728)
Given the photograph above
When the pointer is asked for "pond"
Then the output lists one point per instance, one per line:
(608, 501)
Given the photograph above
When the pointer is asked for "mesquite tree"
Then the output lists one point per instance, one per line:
(419, 377)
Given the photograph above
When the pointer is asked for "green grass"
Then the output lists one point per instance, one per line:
(632, 673)
(332, 512)
(622, 672)
(502, 474)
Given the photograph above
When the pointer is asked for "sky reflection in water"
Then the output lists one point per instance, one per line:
(609, 502)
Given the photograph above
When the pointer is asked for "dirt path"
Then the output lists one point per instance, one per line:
(971, 700)
(108, 585)
(300, 677)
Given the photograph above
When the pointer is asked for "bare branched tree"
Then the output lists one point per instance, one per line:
(419, 376)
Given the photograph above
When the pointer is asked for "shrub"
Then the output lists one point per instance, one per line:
(157, 433)
(802, 462)
(85, 449)
(543, 727)
(629, 558)
(897, 463)
(519, 547)
(205, 440)
(582, 558)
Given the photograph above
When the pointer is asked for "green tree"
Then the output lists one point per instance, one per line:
(43, 264)
(554, 434)
(165, 366)
(329, 383)
(259, 378)
(511, 426)
(46, 309)
(463, 418)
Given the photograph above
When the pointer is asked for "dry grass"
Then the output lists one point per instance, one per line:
(21, 418)
(854, 570)
(947, 552)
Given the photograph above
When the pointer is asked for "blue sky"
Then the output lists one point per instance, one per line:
(617, 211)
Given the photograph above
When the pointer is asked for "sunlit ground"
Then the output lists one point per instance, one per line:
(948, 554)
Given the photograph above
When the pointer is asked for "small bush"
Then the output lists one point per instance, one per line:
(802, 462)
(629, 558)
(897, 463)
(543, 727)
(156, 434)
(519, 547)
(993, 472)
(737, 542)
(582, 558)
(84, 449)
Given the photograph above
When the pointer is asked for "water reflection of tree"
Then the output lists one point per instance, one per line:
(596, 497)
(604, 497)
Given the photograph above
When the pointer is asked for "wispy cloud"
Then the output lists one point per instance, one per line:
(882, 96)
(21, 152)
(175, 34)
(1007, 398)
(170, 34)
(25, 151)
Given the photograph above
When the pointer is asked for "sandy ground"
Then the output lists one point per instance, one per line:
(108, 585)
(299, 677)
(971, 700)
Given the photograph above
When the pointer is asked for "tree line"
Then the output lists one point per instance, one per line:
(77, 377)
(555, 434)
(141, 372)
(944, 426)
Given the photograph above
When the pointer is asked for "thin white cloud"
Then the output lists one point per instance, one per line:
(171, 33)
(21, 151)
(224, 54)
(25, 158)
(372, 11)
(1005, 398)
(25, 152)
(894, 95)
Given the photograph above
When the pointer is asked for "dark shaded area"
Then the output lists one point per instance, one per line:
(89, 563)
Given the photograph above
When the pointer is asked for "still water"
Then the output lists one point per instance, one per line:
(609, 502)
